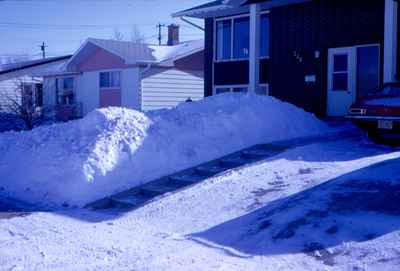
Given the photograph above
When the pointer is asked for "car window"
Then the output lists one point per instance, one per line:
(391, 90)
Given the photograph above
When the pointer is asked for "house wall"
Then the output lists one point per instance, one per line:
(130, 88)
(9, 91)
(49, 91)
(160, 88)
(317, 26)
(301, 28)
(88, 91)
(100, 60)
(164, 88)
(9, 80)
(192, 62)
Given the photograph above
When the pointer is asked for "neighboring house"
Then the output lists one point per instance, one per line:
(106, 73)
(320, 55)
(19, 85)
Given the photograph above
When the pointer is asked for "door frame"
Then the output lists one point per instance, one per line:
(353, 74)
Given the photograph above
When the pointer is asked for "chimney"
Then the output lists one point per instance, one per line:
(173, 34)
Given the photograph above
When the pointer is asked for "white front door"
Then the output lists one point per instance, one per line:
(341, 80)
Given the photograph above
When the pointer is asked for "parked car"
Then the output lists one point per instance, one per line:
(379, 113)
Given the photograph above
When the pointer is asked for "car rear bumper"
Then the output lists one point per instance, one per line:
(370, 123)
(374, 118)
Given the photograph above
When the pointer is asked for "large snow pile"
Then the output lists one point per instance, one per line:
(115, 149)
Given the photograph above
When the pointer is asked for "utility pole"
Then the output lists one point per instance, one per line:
(43, 49)
(159, 26)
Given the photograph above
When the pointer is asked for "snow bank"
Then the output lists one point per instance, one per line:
(115, 149)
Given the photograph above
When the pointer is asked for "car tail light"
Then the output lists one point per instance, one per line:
(357, 111)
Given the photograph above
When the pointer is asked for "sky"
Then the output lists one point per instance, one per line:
(64, 24)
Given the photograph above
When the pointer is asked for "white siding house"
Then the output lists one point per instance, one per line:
(143, 77)
(168, 87)
(20, 76)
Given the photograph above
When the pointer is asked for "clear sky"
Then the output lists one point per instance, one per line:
(64, 24)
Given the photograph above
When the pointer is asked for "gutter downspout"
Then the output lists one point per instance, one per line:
(191, 23)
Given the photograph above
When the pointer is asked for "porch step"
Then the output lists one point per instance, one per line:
(275, 147)
(186, 179)
(154, 190)
(258, 154)
(234, 162)
(140, 195)
(208, 171)
(127, 202)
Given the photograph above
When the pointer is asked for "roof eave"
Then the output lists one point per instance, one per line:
(199, 13)
(57, 74)
(35, 65)
(234, 5)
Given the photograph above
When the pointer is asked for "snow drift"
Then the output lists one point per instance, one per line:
(115, 149)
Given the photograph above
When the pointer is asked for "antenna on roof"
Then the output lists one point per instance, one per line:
(43, 49)
(159, 26)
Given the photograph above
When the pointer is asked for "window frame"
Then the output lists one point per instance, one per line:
(231, 87)
(109, 72)
(65, 96)
(232, 19)
(68, 78)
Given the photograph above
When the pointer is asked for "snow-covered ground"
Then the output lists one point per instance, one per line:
(114, 149)
(326, 206)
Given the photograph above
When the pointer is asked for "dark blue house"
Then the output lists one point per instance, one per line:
(318, 54)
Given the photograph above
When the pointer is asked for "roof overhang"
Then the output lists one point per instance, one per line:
(36, 64)
(228, 7)
(57, 74)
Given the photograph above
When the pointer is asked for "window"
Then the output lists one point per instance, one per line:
(27, 96)
(391, 89)
(110, 79)
(340, 72)
(225, 89)
(240, 89)
(68, 83)
(224, 39)
(219, 90)
(65, 91)
(241, 38)
(264, 36)
(57, 91)
(39, 95)
(262, 90)
(233, 38)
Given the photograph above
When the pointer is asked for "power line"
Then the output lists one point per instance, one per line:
(65, 26)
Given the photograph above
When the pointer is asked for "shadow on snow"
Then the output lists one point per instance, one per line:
(358, 206)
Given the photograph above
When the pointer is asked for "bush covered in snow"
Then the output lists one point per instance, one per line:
(10, 122)
(114, 149)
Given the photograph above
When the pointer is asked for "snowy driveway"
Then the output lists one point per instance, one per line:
(302, 210)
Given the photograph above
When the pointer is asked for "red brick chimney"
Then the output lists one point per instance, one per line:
(173, 34)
